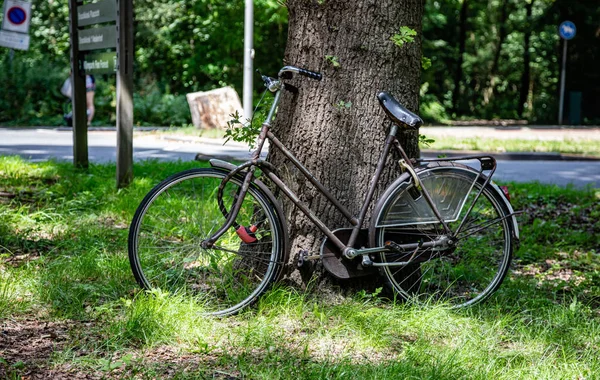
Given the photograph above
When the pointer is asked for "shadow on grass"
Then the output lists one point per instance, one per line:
(76, 223)
(69, 228)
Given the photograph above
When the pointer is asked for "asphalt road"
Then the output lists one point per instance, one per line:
(44, 144)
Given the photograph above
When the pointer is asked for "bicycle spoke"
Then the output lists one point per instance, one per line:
(469, 269)
(184, 212)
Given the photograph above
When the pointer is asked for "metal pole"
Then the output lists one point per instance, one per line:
(562, 83)
(248, 56)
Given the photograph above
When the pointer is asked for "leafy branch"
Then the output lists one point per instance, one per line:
(405, 35)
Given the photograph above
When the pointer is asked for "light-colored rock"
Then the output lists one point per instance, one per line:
(213, 109)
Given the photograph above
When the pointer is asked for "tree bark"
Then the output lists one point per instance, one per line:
(525, 77)
(490, 91)
(336, 127)
(462, 37)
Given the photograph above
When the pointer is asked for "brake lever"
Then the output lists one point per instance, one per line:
(263, 77)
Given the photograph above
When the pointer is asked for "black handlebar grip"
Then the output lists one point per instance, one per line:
(310, 74)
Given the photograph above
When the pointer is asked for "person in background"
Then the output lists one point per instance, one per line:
(90, 90)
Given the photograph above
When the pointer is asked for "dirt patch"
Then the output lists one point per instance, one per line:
(166, 362)
(26, 346)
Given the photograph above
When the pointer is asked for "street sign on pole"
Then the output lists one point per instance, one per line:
(96, 13)
(100, 63)
(567, 31)
(14, 40)
(17, 16)
(98, 38)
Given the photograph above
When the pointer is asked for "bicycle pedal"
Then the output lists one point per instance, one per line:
(303, 257)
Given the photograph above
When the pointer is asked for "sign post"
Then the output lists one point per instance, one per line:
(125, 93)
(567, 31)
(78, 99)
(108, 62)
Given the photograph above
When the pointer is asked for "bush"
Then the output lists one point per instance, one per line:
(430, 108)
(155, 108)
(32, 95)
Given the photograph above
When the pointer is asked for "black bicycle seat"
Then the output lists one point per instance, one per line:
(397, 112)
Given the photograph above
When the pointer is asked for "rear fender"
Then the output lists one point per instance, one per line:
(405, 180)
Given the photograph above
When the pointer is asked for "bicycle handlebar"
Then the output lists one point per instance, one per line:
(298, 70)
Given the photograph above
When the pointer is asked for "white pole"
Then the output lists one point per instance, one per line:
(248, 56)
(562, 83)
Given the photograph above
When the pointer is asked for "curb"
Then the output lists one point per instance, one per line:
(90, 129)
(511, 156)
(429, 153)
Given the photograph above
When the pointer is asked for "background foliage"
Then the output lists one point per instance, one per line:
(486, 59)
(508, 53)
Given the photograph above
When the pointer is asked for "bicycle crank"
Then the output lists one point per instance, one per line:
(334, 260)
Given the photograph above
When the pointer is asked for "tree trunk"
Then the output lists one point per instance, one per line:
(490, 91)
(462, 37)
(336, 127)
(525, 77)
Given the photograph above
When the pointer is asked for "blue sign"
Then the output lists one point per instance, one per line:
(16, 15)
(567, 30)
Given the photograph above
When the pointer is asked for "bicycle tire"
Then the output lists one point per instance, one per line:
(465, 274)
(178, 214)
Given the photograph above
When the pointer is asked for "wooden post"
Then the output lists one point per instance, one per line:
(78, 96)
(124, 93)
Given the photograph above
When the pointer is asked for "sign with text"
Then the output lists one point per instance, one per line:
(100, 63)
(96, 13)
(17, 16)
(14, 40)
(98, 38)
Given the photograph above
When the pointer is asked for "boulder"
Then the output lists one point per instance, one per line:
(213, 109)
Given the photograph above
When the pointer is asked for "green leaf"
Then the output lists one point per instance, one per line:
(425, 63)
(332, 60)
(405, 35)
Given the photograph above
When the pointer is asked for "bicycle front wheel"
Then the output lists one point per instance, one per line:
(168, 228)
(469, 270)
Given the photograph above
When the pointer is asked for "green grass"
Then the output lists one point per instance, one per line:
(587, 147)
(64, 269)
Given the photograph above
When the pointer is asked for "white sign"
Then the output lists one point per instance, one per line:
(17, 16)
(14, 40)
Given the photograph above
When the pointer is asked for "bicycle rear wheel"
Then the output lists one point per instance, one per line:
(174, 218)
(472, 268)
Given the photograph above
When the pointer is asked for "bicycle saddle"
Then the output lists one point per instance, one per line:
(397, 112)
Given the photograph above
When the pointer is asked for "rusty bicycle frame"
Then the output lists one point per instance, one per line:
(276, 85)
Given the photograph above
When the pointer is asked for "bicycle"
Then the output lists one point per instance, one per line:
(441, 231)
